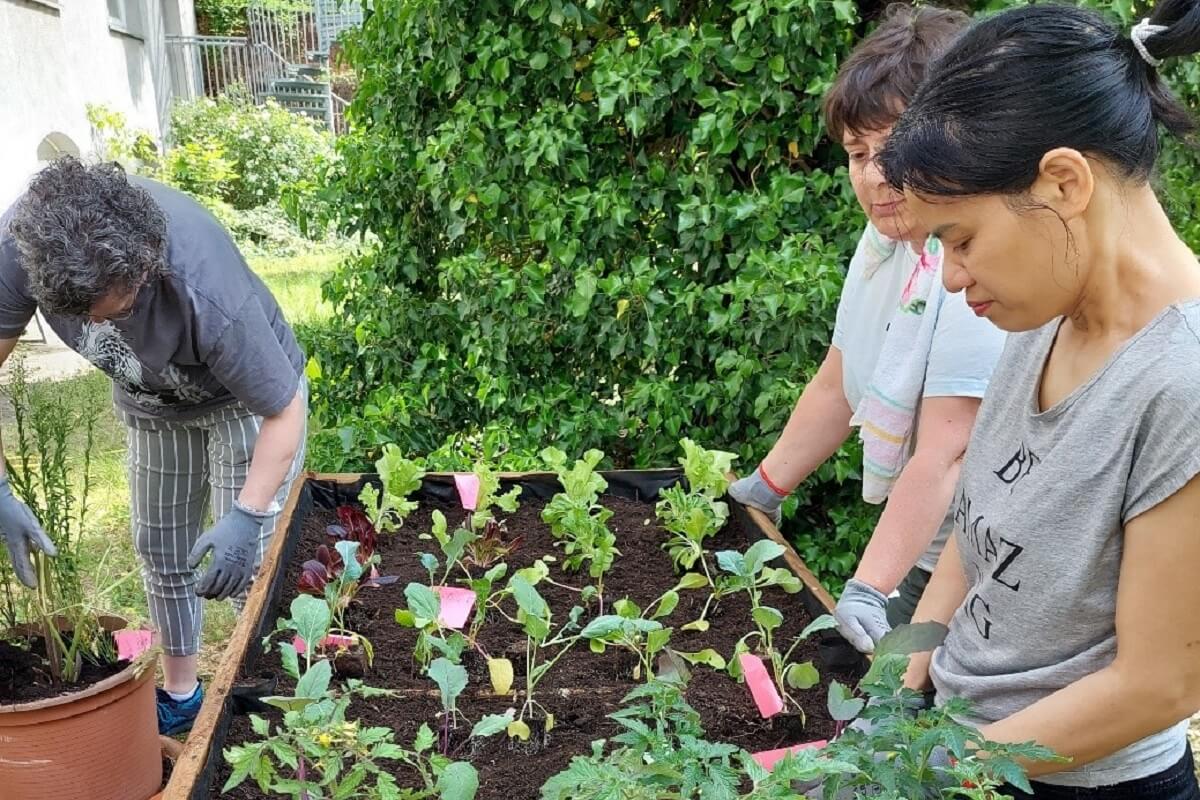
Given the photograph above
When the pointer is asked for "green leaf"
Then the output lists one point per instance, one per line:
(424, 739)
(665, 606)
(767, 618)
(290, 659)
(603, 626)
(315, 682)
(539, 61)
(657, 639)
(528, 600)
(692, 580)
(707, 656)
(423, 602)
(627, 608)
(635, 118)
(843, 705)
(700, 625)
(916, 637)
(492, 724)
(458, 781)
(824, 622)
(259, 725)
(759, 554)
(451, 679)
(406, 618)
(311, 618)
(801, 676)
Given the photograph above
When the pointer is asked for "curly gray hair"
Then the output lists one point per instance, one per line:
(85, 231)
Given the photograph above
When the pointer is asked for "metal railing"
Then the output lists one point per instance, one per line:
(337, 108)
(209, 66)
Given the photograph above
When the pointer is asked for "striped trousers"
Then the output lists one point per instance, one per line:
(179, 473)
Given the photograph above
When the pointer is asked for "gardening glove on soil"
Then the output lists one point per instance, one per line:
(861, 615)
(21, 532)
(234, 542)
(757, 491)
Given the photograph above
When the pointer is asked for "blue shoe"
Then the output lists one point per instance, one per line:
(177, 716)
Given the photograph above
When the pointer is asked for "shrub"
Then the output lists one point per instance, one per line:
(266, 148)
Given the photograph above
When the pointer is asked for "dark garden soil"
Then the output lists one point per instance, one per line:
(583, 687)
(25, 677)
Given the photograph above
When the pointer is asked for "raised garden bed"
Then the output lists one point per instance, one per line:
(581, 689)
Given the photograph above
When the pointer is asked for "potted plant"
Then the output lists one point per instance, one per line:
(74, 720)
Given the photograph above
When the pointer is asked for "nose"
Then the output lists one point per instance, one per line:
(873, 172)
(954, 276)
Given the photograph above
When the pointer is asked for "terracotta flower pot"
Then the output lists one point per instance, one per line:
(100, 743)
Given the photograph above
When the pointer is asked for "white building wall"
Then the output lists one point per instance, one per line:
(59, 56)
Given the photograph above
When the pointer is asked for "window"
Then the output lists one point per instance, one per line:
(124, 16)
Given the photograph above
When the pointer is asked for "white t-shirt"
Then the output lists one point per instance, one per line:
(965, 347)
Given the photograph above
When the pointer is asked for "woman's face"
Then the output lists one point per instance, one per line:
(1018, 268)
(885, 207)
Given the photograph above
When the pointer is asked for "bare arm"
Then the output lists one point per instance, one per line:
(819, 424)
(946, 591)
(923, 491)
(277, 445)
(1154, 681)
(6, 349)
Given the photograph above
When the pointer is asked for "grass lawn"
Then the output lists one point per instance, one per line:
(107, 549)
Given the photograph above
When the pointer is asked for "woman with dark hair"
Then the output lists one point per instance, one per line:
(207, 377)
(1070, 584)
(905, 356)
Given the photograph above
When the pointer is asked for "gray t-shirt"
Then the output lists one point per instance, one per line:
(1040, 513)
(207, 334)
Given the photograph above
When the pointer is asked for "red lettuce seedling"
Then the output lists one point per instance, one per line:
(492, 545)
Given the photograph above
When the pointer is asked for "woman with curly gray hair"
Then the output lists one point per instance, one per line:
(207, 377)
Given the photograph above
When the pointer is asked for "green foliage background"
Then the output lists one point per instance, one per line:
(604, 223)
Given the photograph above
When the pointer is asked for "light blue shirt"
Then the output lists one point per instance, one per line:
(965, 347)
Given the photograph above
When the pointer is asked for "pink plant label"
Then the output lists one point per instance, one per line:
(131, 644)
(456, 606)
(762, 688)
(333, 640)
(468, 489)
(769, 758)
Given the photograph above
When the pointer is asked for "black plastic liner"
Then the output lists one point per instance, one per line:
(639, 485)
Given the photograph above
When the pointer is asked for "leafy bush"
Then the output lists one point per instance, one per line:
(265, 149)
(595, 224)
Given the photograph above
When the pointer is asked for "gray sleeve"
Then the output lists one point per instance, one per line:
(17, 305)
(1166, 454)
(248, 360)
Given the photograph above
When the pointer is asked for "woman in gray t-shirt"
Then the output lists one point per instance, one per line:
(143, 282)
(1070, 582)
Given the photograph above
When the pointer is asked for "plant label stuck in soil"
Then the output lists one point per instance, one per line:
(456, 605)
(762, 688)
(769, 758)
(467, 484)
(132, 643)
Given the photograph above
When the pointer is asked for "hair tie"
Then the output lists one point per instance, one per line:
(1140, 33)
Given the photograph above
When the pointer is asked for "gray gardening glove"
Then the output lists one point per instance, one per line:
(234, 542)
(861, 615)
(21, 531)
(753, 491)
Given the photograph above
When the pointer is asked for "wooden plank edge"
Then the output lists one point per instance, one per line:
(790, 555)
(192, 760)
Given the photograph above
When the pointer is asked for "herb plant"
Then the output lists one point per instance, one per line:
(534, 617)
(577, 519)
(695, 513)
(400, 478)
(424, 609)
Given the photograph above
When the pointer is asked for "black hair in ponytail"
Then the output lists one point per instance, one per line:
(1028, 80)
